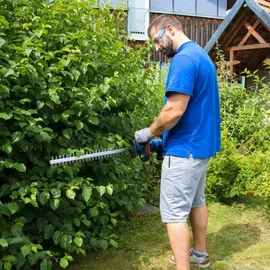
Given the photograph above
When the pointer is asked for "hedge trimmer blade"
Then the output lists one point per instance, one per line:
(60, 161)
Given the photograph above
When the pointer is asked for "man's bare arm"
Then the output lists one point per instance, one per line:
(170, 114)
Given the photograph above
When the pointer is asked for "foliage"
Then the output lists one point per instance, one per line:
(243, 164)
(68, 84)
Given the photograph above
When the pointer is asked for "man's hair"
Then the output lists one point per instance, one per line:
(162, 21)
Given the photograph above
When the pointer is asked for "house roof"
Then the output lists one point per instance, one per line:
(247, 23)
(263, 3)
(254, 6)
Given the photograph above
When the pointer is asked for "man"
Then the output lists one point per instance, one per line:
(190, 124)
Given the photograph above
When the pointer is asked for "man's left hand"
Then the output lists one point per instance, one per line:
(143, 135)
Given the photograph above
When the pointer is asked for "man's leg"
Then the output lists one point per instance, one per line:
(178, 234)
(180, 179)
(198, 221)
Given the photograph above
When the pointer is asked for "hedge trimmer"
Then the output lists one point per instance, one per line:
(142, 150)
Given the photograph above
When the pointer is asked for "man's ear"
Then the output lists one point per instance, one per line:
(170, 29)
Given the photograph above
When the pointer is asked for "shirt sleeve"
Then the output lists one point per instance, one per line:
(182, 75)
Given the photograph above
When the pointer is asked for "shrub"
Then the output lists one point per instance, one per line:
(68, 84)
(242, 166)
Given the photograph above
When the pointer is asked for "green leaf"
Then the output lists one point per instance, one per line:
(79, 125)
(7, 147)
(11, 258)
(17, 136)
(64, 241)
(19, 167)
(2, 42)
(9, 72)
(114, 221)
(21, 261)
(6, 116)
(77, 222)
(63, 263)
(25, 250)
(16, 230)
(68, 133)
(86, 193)
(57, 237)
(44, 197)
(7, 265)
(86, 222)
(54, 203)
(25, 100)
(40, 104)
(3, 242)
(46, 265)
(56, 192)
(32, 258)
(41, 222)
(15, 240)
(103, 243)
(71, 194)
(78, 241)
(101, 190)
(93, 120)
(13, 207)
(94, 242)
(4, 209)
(54, 96)
(4, 89)
(69, 171)
(69, 258)
(93, 211)
(109, 189)
(48, 231)
(113, 243)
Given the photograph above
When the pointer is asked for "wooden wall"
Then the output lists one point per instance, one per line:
(197, 29)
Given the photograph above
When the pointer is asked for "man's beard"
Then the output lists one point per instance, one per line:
(169, 51)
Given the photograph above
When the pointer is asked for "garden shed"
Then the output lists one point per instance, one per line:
(244, 36)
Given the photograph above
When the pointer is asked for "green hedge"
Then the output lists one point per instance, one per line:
(68, 84)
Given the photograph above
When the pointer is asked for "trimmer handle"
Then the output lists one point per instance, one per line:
(144, 150)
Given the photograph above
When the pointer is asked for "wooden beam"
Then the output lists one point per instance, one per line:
(253, 32)
(249, 47)
(250, 29)
(237, 26)
(231, 62)
(236, 62)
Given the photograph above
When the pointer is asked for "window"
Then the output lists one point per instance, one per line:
(184, 6)
(222, 8)
(161, 5)
(138, 19)
(207, 7)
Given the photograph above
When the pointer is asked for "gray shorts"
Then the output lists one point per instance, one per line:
(182, 187)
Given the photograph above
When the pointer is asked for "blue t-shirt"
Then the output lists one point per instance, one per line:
(197, 133)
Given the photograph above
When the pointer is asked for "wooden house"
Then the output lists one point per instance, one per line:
(200, 18)
(244, 36)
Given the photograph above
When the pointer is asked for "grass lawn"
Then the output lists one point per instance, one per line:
(238, 237)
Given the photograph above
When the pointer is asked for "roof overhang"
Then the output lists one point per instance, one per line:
(243, 36)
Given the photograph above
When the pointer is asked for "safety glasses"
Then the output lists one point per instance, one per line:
(159, 35)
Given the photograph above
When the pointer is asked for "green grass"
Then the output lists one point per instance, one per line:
(238, 237)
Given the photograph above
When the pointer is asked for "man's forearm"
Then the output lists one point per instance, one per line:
(164, 122)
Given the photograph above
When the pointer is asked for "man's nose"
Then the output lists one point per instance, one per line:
(157, 47)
